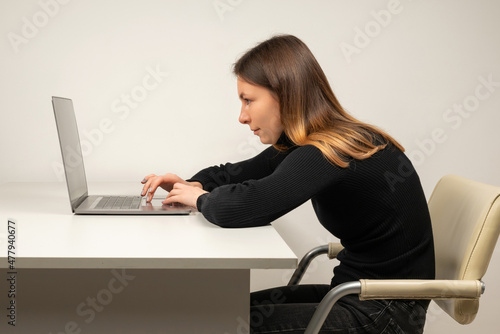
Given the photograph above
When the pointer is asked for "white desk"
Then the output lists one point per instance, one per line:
(126, 274)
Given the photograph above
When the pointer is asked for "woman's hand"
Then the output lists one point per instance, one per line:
(186, 194)
(167, 181)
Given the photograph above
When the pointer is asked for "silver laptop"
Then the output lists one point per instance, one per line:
(81, 202)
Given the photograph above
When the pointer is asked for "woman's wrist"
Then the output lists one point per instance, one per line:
(196, 184)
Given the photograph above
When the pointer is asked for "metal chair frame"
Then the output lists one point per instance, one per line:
(463, 288)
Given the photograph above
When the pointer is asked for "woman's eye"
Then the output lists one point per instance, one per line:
(247, 101)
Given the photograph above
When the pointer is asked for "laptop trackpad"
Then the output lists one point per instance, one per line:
(157, 205)
(154, 202)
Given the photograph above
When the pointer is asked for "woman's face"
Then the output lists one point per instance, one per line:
(261, 111)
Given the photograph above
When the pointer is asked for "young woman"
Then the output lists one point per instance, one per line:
(363, 189)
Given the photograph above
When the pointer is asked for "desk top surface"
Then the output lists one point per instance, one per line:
(48, 235)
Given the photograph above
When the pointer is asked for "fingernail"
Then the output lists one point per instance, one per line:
(143, 180)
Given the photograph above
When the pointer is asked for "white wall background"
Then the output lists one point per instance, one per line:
(428, 73)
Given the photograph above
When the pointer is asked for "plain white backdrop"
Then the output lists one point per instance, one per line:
(153, 91)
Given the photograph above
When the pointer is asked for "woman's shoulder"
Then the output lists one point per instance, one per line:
(310, 156)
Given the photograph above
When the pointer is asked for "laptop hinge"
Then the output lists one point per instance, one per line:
(79, 201)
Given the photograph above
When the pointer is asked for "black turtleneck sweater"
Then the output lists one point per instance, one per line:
(376, 207)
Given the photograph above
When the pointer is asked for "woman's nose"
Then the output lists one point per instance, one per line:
(244, 118)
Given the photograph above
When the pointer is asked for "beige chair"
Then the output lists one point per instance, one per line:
(466, 223)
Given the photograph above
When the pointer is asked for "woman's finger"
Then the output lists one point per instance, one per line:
(171, 196)
(147, 177)
(185, 194)
(147, 182)
(152, 188)
(146, 188)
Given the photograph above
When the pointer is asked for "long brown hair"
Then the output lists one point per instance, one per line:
(310, 112)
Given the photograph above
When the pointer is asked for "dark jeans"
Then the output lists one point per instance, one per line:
(289, 310)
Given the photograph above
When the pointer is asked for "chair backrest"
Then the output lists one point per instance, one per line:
(466, 223)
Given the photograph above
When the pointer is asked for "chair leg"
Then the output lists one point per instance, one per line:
(327, 303)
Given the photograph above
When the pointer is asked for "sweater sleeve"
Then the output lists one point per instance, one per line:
(255, 168)
(256, 202)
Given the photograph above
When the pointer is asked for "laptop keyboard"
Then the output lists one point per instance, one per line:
(119, 202)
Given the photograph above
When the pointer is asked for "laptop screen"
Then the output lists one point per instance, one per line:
(70, 149)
